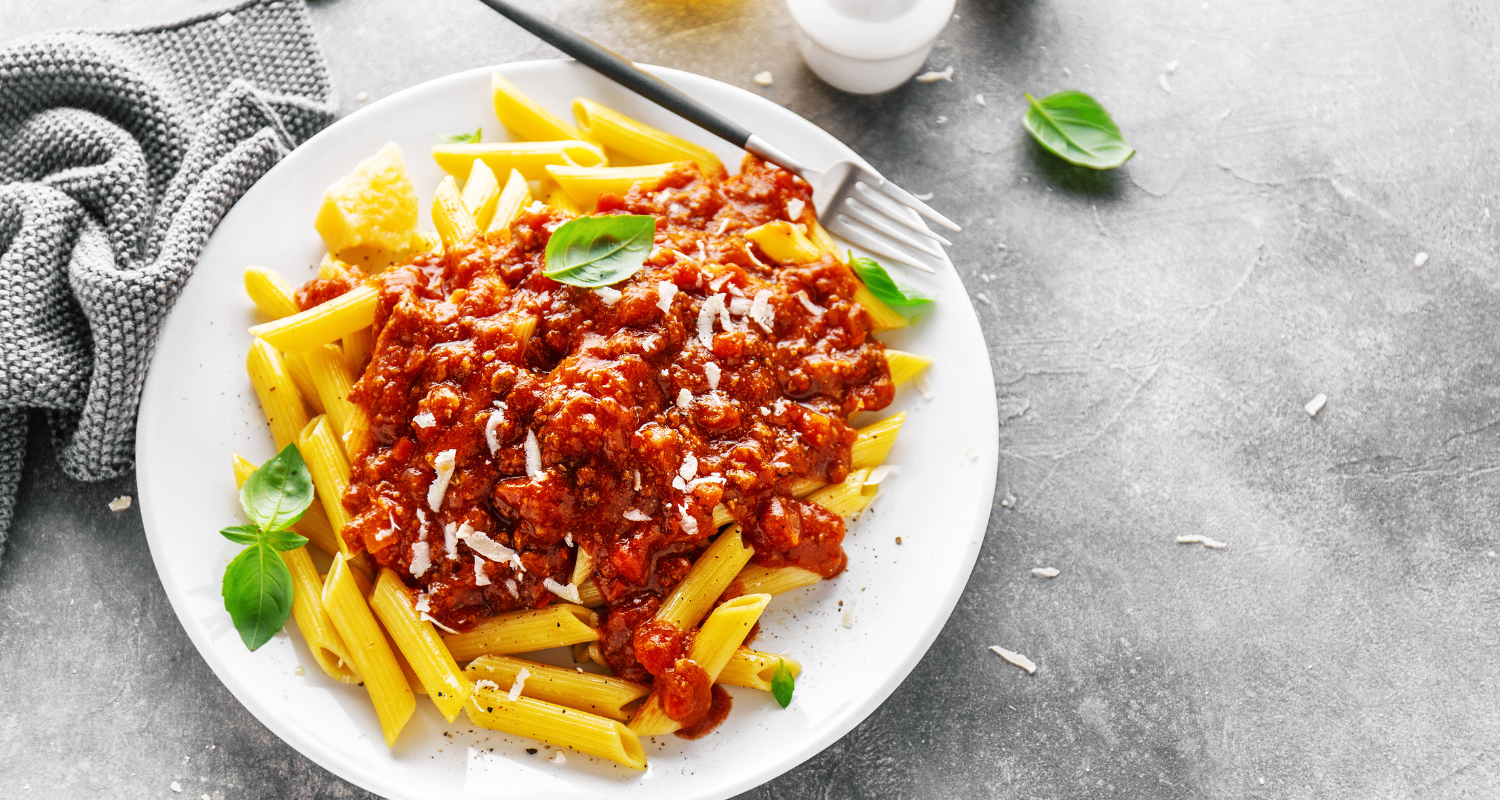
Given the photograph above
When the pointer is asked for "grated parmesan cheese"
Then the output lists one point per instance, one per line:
(1045, 572)
(712, 307)
(807, 303)
(637, 515)
(1315, 405)
(934, 77)
(880, 473)
(1172, 66)
(428, 618)
(1161, 80)
(848, 619)
(510, 586)
(444, 466)
(794, 208)
(689, 522)
(492, 425)
(924, 386)
(753, 259)
(520, 683)
(739, 306)
(568, 538)
(637, 480)
(424, 420)
(1190, 540)
(1420, 261)
(533, 455)
(982, 298)
(559, 758)
(717, 284)
(979, 100)
(486, 683)
(608, 295)
(679, 484)
(480, 578)
(421, 559)
(424, 602)
(566, 591)
(761, 310)
(175, 786)
(450, 539)
(723, 226)
(712, 372)
(120, 503)
(482, 544)
(763, 79)
(1213, 544)
(689, 468)
(684, 398)
(1015, 658)
(925, 197)
(665, 291)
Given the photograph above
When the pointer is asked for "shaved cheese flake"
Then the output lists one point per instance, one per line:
(1015, 658)
(1213, 544)
(482, 544)
(421, 560)
(761, 310)
(753, 259)
(566, 591)
(424, 420)
(934, 77)
(637, 480)
(450, 540)
(428, 617)
(848, 619)
(723, 226)
(1190, 539)
(444, 466)
(480, 578)
(924, 386)
(559, 758)
(665, 291)
(689, 468)
(712, 372)
(1316, 404)
(533, 455)
(684, 398)
(637, 515)
(568, 538)
(689, 522)
(608, 295)
(510, 586)
(120, 503)
(717, 284)
(486, 683)
(706, 314)
(520, 682)
(492, 427)
(807, 303)
(424, 602)
(739, 306)
(794, 209)
(679, 484)
(880, 473)
(1045, 572)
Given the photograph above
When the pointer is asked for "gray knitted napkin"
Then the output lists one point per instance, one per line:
(119, 154)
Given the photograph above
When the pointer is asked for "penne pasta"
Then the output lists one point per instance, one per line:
(874, 441)
(454, 222)
(848, 498)
(330, 473)
(369, 650)
(557, 725)
(278, 396)
(753, 669)
(597, 694)
(524, 116)
(512, 199)
(754, 579)
(270, 293)
(357, 346)
(530, 159)
(481, 190)
(709, 576)
(583, 185)
(786, 243)
(638, 140)
(882, 316)
(296, 367)
(716, 642)
(323, 323)
(525, 632)
(330, 378)
(583, 566)
(904, 366)
(589, 595)
(424, 649)
(307, 602)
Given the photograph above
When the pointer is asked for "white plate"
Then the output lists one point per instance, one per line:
(198, 406)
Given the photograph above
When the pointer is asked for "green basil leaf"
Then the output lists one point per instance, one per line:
(462, 138)
(258, 594)
(783, 684)
(886, 288)
(275, 495)
(283, 540)
(1077, 129)
(598, 251)
(242, 534)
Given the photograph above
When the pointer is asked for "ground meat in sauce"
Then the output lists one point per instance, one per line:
(631, 408)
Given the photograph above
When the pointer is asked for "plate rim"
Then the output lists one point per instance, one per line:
(337, 761)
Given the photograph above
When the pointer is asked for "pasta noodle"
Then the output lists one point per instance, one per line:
(753, 669)
(525, 116)
(420, 643)
(454, 222)
(715, 644)
(709, 576)
(904, 366)
(323, 323)
(481, 191)
(369, 650)
(639, 141)
(278, 396)
(525, 632)
(584, 184)
(585, 691)
(557, 725)
(531, 159)
(512, 199)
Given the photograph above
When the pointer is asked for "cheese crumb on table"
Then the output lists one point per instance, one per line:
(1315, 405)
(559, 758)
(1161, 80)
(925, 197)
(763, 79)
(361, 97)
(979, 100)
(1214, 544)
(1172, 66)
(1015, 658)
(1045, 572)
(848, 619)
(1190, 540)
(176, 787)
(1420, 261)
(934, 77)
(120, 503)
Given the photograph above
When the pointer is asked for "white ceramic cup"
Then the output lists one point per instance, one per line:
(868, 46)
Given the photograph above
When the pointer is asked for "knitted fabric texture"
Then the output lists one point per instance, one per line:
(119, 154)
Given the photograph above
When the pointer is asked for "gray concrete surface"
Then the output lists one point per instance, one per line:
(1155, 333)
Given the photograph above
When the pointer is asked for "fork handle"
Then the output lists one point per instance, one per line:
(643, 83)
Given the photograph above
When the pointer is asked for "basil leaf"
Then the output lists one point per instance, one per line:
(598, 251)
(782, 684)
(462, 138)
(884, 286)
(283, 540)
(242, 534)
(275, 495)
(257, 594)
(1077, 129)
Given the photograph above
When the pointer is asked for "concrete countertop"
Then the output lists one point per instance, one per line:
(1154, 331)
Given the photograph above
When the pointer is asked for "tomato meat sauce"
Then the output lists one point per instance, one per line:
(516, 419)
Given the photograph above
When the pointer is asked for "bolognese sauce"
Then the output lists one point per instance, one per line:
(515, 419)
